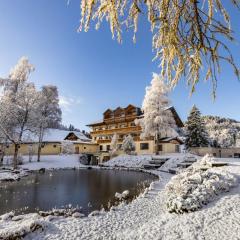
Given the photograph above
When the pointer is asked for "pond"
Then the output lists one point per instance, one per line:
(89, 189)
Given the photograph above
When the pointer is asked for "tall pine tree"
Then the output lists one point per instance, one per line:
(196, 135)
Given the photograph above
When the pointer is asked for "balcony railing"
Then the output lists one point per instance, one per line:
(117, 130)
(120, 140)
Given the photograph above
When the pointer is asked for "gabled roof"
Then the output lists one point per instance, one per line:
(169, 139)
(176, 116)
(108, 110)
(54, 135)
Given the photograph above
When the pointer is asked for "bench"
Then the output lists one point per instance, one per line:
(172, 171)
(218, 164)
(151, 166)
(184, 164)
(157, 161)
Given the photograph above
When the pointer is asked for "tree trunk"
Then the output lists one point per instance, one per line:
(40, 143)
(15, 163)
(39, 151)
(157, 142)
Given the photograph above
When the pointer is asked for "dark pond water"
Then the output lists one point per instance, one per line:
(90, 189)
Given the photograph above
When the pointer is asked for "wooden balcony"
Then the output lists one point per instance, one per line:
(125, 130)
(127, 118)
(101, 141)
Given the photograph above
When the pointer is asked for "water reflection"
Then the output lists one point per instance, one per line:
(75, 187)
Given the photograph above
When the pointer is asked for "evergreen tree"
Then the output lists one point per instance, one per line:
(196, 135)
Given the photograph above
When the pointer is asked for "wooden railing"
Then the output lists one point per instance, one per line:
(99, 141)
(117, 130)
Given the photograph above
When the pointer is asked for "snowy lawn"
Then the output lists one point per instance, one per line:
(132, 161)
(148, 218)
(53, 162)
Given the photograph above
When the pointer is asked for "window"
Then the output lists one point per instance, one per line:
(177, 148)
(160, 147)
(54, 145)
(108, 147)
(101, 147)
(214, 154)
(144, 146)
(132, 124)
(84, 147)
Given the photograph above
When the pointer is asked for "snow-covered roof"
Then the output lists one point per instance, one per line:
(168, 139)
(54, 135)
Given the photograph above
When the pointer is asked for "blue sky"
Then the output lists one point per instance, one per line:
(92, 71)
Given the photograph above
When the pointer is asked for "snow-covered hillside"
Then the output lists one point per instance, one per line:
(223, 132)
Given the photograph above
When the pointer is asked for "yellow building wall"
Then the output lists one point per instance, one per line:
(218, 152)
(52, 148)
(168, 148)
(150, 150)
(48, 149)
(87, 148)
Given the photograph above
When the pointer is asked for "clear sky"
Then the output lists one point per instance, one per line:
(92, 71)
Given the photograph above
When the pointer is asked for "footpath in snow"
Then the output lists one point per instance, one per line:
(146, 217)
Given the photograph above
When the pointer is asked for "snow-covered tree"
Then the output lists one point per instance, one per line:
(157, 121)
(114, 145)
(18, 116)
(67, 147)
(128, 144)
(18, 105)
(187, 35)
(17, 77)
(48, 112)
(196, 135)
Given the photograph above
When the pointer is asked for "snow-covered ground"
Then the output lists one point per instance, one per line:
(132, 161)
(47, 162)
(146, 218)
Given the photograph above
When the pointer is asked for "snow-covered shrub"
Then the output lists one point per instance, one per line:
(123, 195)
(67, 147)
(128, 144)
(195, 187)
(114, 146)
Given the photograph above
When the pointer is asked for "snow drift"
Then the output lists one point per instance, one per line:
(17, 227)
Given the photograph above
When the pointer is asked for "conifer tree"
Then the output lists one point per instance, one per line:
(196, 135)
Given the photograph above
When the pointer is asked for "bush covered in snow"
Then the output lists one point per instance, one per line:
(128, 144)
(197, 186)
